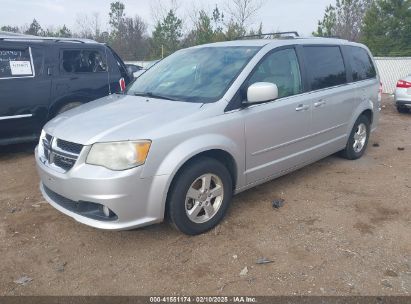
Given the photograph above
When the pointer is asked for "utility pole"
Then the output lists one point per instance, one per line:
(162, 51)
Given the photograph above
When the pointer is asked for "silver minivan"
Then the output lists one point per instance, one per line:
(205, 123)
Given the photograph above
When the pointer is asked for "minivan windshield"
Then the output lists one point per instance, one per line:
(194, 75)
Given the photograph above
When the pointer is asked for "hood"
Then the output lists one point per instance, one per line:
(117, 118)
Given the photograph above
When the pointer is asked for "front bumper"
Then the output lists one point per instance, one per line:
(135, 201)
(403, 103)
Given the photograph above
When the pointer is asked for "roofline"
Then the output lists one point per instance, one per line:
(279, 42)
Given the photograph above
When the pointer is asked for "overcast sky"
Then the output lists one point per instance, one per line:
(300, 15)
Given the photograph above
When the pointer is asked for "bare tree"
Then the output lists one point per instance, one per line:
(242, 12)
(350, 15)
(88, 26)
(161, 8)
(344, 20)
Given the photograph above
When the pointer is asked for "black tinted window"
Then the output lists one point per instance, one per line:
(361, 64)
(83, 61)
(15, 63)
(325, 66)
(282, 69)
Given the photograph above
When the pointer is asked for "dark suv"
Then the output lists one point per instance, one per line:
(42, 77)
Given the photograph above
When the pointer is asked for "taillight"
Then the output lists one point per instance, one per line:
(403, 84)
(122, 83)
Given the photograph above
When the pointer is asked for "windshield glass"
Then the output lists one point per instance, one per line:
(194, 75)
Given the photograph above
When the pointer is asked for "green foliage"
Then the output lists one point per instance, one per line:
(387, 28)
(64, 32)
(218, 24)
(326, 27)
(167, 35)
(8, 28)
(116, 15)
(344, 20)
(204, 29)
(34, 29)
(234, 31)
(208, 29)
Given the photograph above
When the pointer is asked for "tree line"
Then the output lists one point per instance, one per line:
(130, 38)
(383, 25)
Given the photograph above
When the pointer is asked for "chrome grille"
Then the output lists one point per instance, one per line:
(69, 146)
(60, 153)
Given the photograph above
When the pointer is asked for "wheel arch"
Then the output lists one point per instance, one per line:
(220, 155)
(369, 114)
(365, 108)
(61, 102)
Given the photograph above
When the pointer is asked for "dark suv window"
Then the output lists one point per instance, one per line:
(83, 61)
(15, 63)
(361, 64)
(325, 64)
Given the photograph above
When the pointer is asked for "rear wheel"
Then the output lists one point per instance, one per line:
(358, 140)
(200, 196)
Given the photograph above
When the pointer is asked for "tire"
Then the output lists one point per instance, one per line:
(402, 109)
(68, 106)
(357, 144)
(208, 207)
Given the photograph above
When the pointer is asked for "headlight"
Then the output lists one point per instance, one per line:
(42, 136)
(119, 155)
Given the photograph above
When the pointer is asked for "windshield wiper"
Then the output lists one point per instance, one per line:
(152, 95)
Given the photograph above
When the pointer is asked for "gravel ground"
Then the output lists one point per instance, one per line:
(345, 229)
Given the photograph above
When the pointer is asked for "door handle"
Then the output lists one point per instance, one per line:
(319, 103)
(302, 107)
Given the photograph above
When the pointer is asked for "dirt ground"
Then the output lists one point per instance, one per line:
(345, 230)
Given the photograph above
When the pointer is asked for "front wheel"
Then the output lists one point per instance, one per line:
(358, 140)
(200, 196)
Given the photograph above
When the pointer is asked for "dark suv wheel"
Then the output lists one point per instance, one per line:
(402, 109)
(200, 196)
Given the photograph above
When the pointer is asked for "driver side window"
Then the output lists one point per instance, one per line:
(281, 68)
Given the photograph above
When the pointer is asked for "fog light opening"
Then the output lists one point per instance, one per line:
(106, 211)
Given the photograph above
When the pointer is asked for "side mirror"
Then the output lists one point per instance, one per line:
(261, 92)
(132, 68)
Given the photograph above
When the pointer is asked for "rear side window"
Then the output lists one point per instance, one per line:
(361, 64)
(325, 66)
(83, 61)
(16, 63)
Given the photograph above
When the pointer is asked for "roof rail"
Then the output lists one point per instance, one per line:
(22, 37)
(272, 35)
(332, 36)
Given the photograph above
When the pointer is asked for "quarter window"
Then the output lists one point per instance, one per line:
(325, 65)
(361, 64)
(83, 61)
(15, 63)
(282, 69)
